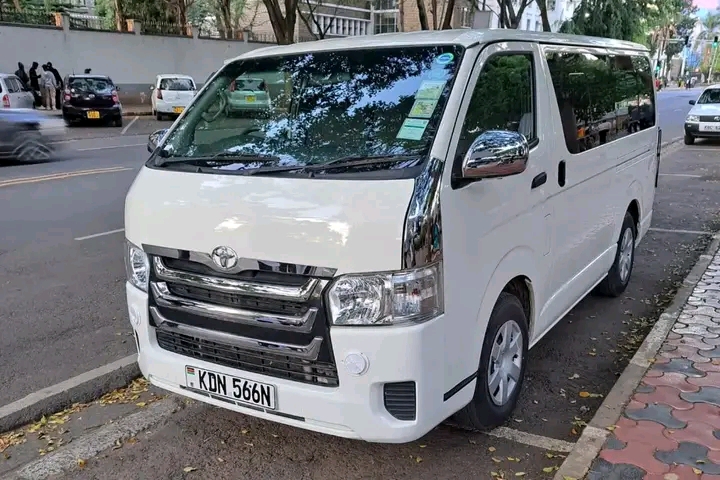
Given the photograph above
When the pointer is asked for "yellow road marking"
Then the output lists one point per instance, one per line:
(60, 176)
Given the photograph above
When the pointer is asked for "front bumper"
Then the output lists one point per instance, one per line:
(354, 409)
(693, 130)
(73, 113)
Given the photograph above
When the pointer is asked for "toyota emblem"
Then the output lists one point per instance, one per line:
(224, 257)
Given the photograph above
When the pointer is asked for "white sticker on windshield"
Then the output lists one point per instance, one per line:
(412, 129)
(423, 108)
(430, 90)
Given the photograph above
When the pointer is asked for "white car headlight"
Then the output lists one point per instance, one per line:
(137, 266)
(408, 296)
(692, 119)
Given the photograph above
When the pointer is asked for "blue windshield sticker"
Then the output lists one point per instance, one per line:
(444, 59)
(412, 129)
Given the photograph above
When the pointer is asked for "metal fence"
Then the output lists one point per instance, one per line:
(166, 29)
(26, 16)
(92, 23)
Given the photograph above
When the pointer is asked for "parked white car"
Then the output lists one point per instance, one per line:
(379, 251)
(13, 94)
(172, 93)
(703, 119)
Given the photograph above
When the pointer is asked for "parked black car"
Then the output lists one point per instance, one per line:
(91, 98)
(26, 135)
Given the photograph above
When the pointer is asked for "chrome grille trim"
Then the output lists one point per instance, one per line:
(298, 323)
(304, 352)
(239, 287)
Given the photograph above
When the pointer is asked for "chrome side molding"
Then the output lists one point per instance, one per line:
(297, 323)
(307, 352)
(238, 287)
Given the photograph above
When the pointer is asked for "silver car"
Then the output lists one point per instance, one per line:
(14, 94)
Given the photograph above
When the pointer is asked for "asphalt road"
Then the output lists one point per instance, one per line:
(62, 313)
(672, 109)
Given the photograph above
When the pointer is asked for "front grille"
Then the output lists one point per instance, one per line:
(710, 118)
(279, 366)
(399, 400)
(265, 319)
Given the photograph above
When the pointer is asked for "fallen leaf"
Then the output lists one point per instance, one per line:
(220, 459)
(418, 459)
(548, 469)
(140, 404)
(611, 427)
(491, 449)
(565, 477)
(697, 471)
(81, 463)
(574, 376)
(496, 460)
(423, 446)
(189, 469)
(520, 474)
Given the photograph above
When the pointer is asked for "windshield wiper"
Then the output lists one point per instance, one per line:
(361, 160)
(224, 157)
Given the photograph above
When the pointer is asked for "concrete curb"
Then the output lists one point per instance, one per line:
(578, 462)
(82, 388)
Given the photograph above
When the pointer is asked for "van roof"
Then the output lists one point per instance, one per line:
(463, 37)
(174, 75)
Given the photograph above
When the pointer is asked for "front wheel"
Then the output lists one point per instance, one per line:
(619, 275)
(689, 139)
(502, 367)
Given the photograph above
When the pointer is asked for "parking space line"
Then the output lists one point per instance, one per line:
(110, 146)
(531, 439)
(676, 230)
(60, 176)
(129, 125)
(101, 234)
(680, 175)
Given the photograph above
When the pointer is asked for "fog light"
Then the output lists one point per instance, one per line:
(356, 363)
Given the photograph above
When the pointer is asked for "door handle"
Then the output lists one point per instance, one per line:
(561, 173)
(539, 179)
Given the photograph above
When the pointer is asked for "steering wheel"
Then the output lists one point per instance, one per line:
(221, 108)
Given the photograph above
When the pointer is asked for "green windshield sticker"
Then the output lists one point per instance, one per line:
(423, 108)
(430, 90)
(445, 58)
(412, 129)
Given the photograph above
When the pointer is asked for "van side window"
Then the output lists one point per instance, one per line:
(503, 99)
(601, 98)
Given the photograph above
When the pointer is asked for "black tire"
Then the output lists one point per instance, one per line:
(615, 283)
(68, 122)
(118, 122)
(689, 140)
(483, 413)
(158, 116)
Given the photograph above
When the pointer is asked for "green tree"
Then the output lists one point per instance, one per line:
(621, 19)
(683, 28)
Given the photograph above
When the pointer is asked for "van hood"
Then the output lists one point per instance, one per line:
(353, 226)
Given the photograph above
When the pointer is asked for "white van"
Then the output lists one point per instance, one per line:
(378, 251)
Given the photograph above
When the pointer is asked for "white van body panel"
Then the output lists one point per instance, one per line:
(348, 225)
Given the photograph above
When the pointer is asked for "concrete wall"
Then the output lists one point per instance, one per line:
(132, 60)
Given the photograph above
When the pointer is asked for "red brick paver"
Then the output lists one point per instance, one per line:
(670, 429)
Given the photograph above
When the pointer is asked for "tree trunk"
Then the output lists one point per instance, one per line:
(226, 18)
(542, 6)
(120, 23)
(422, 14)
(447, 18)
(16, 4)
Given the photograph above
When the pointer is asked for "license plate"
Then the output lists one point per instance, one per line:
(710, 128)
(93, 114)
(250, 98)
(238, 389)
(178, 109)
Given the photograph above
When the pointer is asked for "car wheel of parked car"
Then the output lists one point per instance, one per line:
(158, 116)
(502, 367)
(619, 275)
(689, 140)
(118, 122)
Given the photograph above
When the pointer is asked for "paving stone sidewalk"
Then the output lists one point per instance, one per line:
(670, 430)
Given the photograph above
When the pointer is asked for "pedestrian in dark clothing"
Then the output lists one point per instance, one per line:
(22, 75)
(58, 80)
(35, 84)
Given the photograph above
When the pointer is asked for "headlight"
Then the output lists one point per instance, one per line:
(692, 119)
(137, 266)
(387, 298)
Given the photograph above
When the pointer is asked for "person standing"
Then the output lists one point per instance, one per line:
(35, 84)
(58, 84)
(49, 87)
(22, 75)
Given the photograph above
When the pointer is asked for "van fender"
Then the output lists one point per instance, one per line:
(633, 192)
(519, 261)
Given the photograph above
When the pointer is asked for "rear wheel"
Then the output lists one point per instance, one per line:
(689, 139)
(502, 367)
(158, 116)
(619, 275)
(118, 122)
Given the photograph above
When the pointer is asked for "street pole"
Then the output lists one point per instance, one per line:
(684, 59)
(713, 57)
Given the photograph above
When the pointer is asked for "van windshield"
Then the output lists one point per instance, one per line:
(311, 109)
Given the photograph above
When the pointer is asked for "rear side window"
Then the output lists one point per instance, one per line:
(601, 98)
(2, 87)
(13, 84)
(177, 84)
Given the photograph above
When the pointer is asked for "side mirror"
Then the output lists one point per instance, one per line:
(152, 87)
(117, 89)
(692, 102)
(496, 153)
(154, 139)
